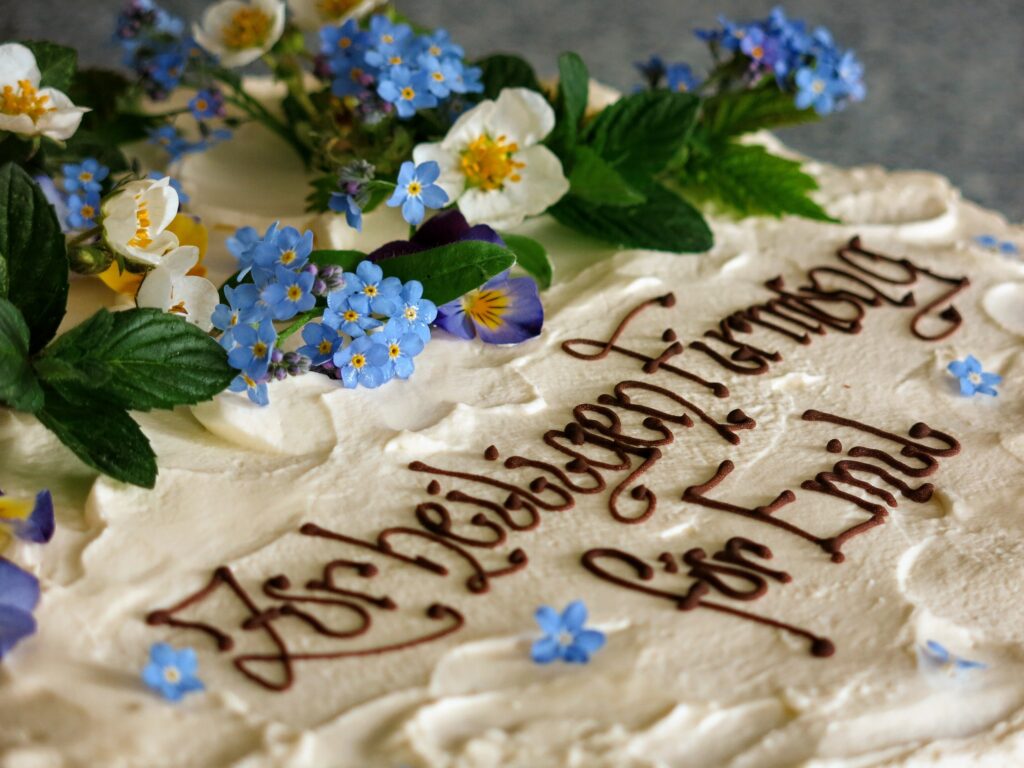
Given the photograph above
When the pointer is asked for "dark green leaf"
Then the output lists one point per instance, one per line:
(37, 263)
(665, 222)
(595, 181)
(503, 70)
(571, 104)
(347, 260)
(531, 256)
(138, 359)
(103, 436)
(753, 182)
(103, 91)
(738, 112)
(18, 386)
(450, 271)
(56, 64)
(639, 134)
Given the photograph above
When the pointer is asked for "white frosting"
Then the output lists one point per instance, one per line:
(670, 688)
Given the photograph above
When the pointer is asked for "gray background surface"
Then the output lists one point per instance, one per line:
(944, 76)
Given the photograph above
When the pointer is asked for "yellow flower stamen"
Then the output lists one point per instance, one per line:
(294, 293)
(488, 163)
(248, 381)
(325, 347)
(259, 349)
(178, 309)
(414, 188)
(88, 212)
(395, 61)
(394, 351)
(358, 361)
(370, 290)
(408, 93)
(287, 257)
(486, 307)
(438, 77)
(435, 50)
(172, 675)
(85, 177)
(24, 101)
(142, 238)
(247, 28)
(350, 315)
(410, 313)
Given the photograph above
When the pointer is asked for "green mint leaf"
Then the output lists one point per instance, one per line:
(139, 359)
(33, 246)
(57, 64)
(18, 386)
(450, 271)
(753, 182)
(347, 260)
(571, 103)
(735, 113)
(503, 70)
(665, 222)
(531, 256)
(103, 436)
(640, 134)
(597, 182)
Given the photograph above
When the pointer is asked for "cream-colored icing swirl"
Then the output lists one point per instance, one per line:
(670, 689)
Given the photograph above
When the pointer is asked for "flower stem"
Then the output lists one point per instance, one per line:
(298, 323)
(81, 238)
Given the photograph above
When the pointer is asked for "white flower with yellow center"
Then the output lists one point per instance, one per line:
(136, 218)
(313, 14)
(170, 288)
(27, 109)
(492, 162)
(238, 32)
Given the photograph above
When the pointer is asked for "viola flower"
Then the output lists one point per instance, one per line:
(816, 88)
(935, 657)
(321, 343)
(282, 248)
(416, 190)
(362, 363)
(19, 595)
(207, 104)
(311, 15)
(493, 164)
(565, 637)
(369, 281)
(349, 313)
(256, 389)
(401, 349)
(86, 176)
(170, 288)
(27, 109)
(28, 519)
(242, 308)
(238, 32)
(415, 314)
(252, 347)
(681, 78)
(136, 218)
(503, 311)
(409, 91)
(82, 209)
(973, 378)
(172, 673)
(290, 294)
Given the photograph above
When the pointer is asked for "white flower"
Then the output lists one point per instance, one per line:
(238, 32)
(492, 164)
(170, 288)
(313, 14)
(136, 218)
(26, 108)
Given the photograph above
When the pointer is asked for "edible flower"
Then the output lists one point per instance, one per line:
(27, 109)
(504, 311)
(171, 288)
(993, 243)
(207, 104)
(935, 657)
(29, 520)
(290, 294)
(172, 673)
(86, 176)
(136, 218)
(311, 15)
(973, 378)
(83, 208)
(409, 91)
(493, 164)
(816, 88)
(364, 362)
(238, 32)
(681, 78)
(565, 637)
(416, 190)
(321, 343)
(251, 348)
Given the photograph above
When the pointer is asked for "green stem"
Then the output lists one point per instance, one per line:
(298, 323)
(81, 238)
(239, 98)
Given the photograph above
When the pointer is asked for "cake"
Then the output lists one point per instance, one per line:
(750, 475)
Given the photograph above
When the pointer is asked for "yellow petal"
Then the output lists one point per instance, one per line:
(123, 282)
(190, 231)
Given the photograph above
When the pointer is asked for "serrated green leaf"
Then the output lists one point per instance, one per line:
(18, 385)
(347, 260)
(531, 256)
(753, 182)
(103, 436)
(33, 245)
(503, 70)
(596, 181)
(640, 134)
(57, 64)
(571, 103)
(665, 222)
(450, 271)
(139, 359)
(737, 112)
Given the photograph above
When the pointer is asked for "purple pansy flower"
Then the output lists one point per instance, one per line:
(19, 595)
(504, 311)
(565, 636)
